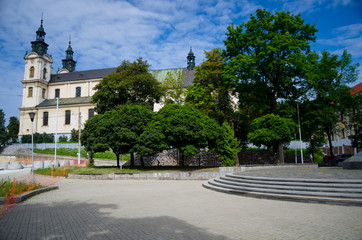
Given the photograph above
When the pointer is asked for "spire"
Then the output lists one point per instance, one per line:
(39, 46)
(190, 60)
(68, 62)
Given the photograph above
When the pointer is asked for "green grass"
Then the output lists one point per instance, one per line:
(20, 187)
(106, 169)
(73, 152)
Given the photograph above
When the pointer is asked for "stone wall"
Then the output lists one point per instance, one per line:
(253, 157)
(170, 158)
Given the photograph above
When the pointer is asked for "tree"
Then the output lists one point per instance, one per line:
(211, 91)
(117, 129)
(13, 129)
(187, 129)
(230, 146)
(272, 131)
(266, 58)
(131, 83)
(328, 77)
(175, 86)
(3, 133)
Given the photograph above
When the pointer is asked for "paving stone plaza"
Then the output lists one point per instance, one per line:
(160, 209)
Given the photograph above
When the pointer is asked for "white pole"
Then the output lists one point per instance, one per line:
(296, 158)
(300, 136)
(80, 117)
(56, 132)
(32, 151)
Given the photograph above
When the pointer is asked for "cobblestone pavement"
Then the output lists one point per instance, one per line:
(156, 209)
(309, 173)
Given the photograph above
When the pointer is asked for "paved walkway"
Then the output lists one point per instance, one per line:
(154, 209)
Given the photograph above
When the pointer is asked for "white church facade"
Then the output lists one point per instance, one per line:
(42, 86)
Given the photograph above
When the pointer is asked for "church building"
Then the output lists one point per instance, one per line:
(42, 86)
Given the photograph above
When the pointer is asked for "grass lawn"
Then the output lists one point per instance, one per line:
(105, 169)
(6, 187)
(73, 153)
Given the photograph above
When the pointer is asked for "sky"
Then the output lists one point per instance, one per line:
(105, 32)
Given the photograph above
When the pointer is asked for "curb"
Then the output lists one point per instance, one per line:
(24, 196)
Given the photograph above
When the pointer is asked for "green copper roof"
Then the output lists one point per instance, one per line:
(160, 75)
(65, 101)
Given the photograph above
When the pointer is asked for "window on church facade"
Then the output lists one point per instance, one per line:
(67, 117)
(57, 93)
(31, 72)
(90, 113)
(45, 118)
(44, 73)
(30, 92)
(43, 93)
(343, 133)
(78, 92)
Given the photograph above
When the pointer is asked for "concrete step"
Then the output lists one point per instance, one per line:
(287, 192)
(296, 184)
(287, 197)
(289, 186)
(332, 181)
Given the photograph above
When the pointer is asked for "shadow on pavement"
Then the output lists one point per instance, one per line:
(79, 220)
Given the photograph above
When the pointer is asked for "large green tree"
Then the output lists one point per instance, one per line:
(3, 134)
(175, 85)
(266, 58)
(272, 131)
(186, 129)
(131, 83)
(211, 91)
(119, 130)
(328, 78)
(13, 129)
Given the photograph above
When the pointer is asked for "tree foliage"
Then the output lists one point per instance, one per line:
(266, 58)
(328, 76)
(119, 130)
(131, 83)
(184, 128)
(229, 147)
(13, 129)
(272, 131)
(3, 133)
(211, 91)
(175, 85)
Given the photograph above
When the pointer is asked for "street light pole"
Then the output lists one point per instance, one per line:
(56, 133)
(32, 115)
(79, 132)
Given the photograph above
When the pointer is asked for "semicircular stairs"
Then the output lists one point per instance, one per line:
(332, 191)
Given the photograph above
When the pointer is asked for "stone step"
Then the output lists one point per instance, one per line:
(289, 187)
(287, 191)
(288, 197)
(337, 181)
(301, 184)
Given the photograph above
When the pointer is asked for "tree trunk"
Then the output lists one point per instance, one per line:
(132, 159)
(142, 162)
(330, 145)
(280, 154)
(118, 159)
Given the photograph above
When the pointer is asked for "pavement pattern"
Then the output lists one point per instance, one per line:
(156, 209)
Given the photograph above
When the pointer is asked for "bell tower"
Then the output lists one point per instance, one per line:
(190, 60)
(68, 62)
(38, 70)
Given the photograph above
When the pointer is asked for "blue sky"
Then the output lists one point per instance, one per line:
(106, 32)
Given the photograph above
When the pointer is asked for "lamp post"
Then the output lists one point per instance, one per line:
(32, 115)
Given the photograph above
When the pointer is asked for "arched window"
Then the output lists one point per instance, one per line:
(30, 92)
(43, 93)
(31, 72)
(44, 73)
(57, 93)
(90, 113)
(78, 92)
